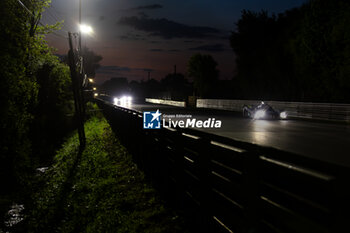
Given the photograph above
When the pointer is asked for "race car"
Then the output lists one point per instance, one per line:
(263, 111)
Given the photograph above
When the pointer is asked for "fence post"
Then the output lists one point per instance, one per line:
(251, 189)
(205, 155)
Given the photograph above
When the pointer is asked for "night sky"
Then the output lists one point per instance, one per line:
(137, 36)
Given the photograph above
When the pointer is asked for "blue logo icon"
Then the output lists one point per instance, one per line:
(151, 120)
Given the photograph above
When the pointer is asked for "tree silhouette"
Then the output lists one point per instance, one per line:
(302, 54)
(32, 78)
(175, 86)
(202, 68)
(91, 61)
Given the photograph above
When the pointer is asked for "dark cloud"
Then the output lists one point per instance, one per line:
(156, 50)
(167, 29)
(147, 7)
(192, 41)
(132, 36)
(174, 50)
(112, 69)
(209, 48)
(143, 14)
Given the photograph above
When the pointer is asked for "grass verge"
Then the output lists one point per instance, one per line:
(99, 190)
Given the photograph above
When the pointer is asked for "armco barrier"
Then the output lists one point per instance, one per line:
(166, 102)
(320, 111)
(224, 185)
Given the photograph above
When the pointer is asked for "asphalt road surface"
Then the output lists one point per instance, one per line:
(324, 141)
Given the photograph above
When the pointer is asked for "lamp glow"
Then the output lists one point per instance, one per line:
(86, 29)
(124, 101)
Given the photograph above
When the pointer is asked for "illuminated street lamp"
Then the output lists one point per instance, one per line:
(78, 78)
(86, 29)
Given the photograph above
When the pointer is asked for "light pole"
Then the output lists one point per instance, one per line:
(77, 91)
(78, 81)
(79, 25)
(83, 29)
(78, 78)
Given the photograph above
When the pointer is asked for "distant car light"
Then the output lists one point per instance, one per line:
(259, 114)
(283, 115)
(123, 101)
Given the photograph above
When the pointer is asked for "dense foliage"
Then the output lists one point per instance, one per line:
(53, 113)
(202, 68)
(18, 90)
(35, 93)
(91, 61)
(302, 54)
(175, 86)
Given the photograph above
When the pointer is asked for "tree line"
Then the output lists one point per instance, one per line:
(202, 69)
(302, 54)
(36, 101)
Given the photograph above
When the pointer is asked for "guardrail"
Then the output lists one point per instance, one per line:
(166, 102)
(319, 111)
(226, 185)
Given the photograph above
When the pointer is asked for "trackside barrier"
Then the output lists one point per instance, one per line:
(224, 185)
(320, 111)
(166, 102)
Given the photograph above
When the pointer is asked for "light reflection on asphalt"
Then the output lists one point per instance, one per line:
(318, 140)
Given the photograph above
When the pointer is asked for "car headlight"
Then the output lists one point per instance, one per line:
(116, 101)
(259, 114)
(123, 101)
(283, 115)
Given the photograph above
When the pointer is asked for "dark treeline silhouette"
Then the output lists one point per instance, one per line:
(33, 92)
(90, 60)
(202, 68)
(174, 86)
(300, 55)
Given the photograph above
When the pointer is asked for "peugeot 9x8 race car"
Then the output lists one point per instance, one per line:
(263, 111)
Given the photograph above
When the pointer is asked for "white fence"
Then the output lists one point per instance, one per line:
(322, 111)
(166, 102)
